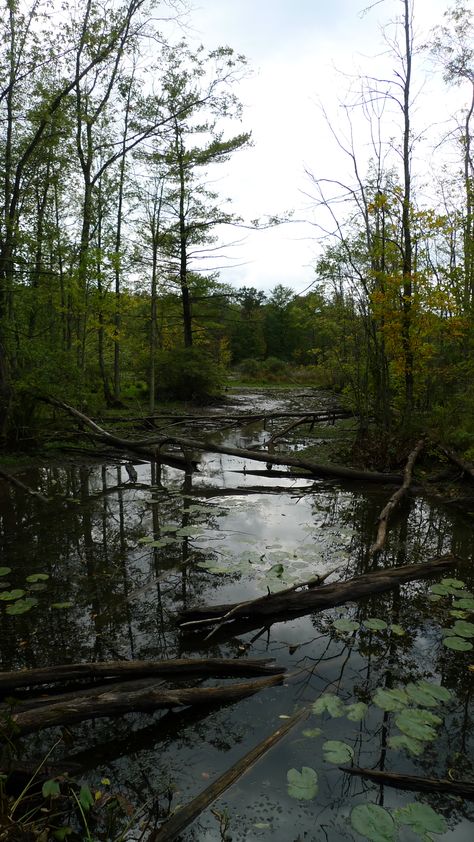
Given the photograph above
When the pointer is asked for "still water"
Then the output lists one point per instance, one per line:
(123, 558)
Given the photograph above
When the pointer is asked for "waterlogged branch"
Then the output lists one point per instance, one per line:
(184, 816)
(395, 499)
(412, 782)
(146, 700)
(294, 603)
(103, 670)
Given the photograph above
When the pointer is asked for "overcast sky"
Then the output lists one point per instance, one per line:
(299, 51)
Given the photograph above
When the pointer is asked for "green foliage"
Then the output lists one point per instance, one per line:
(373, 822)
(189, 374)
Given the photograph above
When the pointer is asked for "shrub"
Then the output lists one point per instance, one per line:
(189, 374)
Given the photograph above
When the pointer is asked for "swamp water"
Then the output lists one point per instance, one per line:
(111, 571)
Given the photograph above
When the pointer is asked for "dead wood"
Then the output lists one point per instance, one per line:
(141, 448)
(313, 468)
(395, 499)
(463, 788)
(151, 449)
(466, 467)
(298, 603)
(184, 816)
(278, 434)
(19, 484)
(177, 668)
(146, 700)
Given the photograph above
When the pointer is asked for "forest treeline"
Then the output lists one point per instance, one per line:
(110, 227)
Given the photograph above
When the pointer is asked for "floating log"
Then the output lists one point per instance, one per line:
(452, 787)
(297, 603)
(395, 499)
(177, 668)
(185, 815)
(144, 701)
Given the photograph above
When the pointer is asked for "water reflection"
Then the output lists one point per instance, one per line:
(124, 557)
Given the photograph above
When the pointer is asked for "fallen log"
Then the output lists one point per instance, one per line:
(313, 468)
(151, 449)
(466, 467)
(395, 499)
(412, 782)
(141, 448)
(177, 668)
(298, 603)
(185, 815)
(143, 701)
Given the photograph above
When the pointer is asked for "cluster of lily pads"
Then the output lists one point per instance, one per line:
(412, 708)
(375, 624)
(457, 636)
(17, 601)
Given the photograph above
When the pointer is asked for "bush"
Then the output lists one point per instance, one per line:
(189, 374)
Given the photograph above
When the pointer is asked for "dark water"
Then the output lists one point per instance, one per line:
(227, 536)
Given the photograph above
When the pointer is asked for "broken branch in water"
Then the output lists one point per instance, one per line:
(145, 700)
(177, 668)
(184, 816)
(297, 603)
(463, 788)
(395, 499)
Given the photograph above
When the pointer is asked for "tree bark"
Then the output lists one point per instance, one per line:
(395, 499)
(298, 603)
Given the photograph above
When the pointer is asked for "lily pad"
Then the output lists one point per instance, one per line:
(439, 590)
(356, 712)
(336, 751)
(436, 690)
(62, 605)
(375, 624)
(345, 625)
(391, 700)
(8, 596)
(373, 822)
(398, 630)
(419, 724)
(37, 577)
(459, 644)
(466, 602)
(408, 743)
(312, 732)
(302, 785)
(161, 542)
(422, 818)
(4, 571)
(453, 583)
(463, 628)
(331, 703)
(21, 606)
(421, 696)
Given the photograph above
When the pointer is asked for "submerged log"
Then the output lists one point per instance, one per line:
(183, 817)
(177, 668)
(395, 499)
(298, 603)
(412, 782)
(146, 700)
